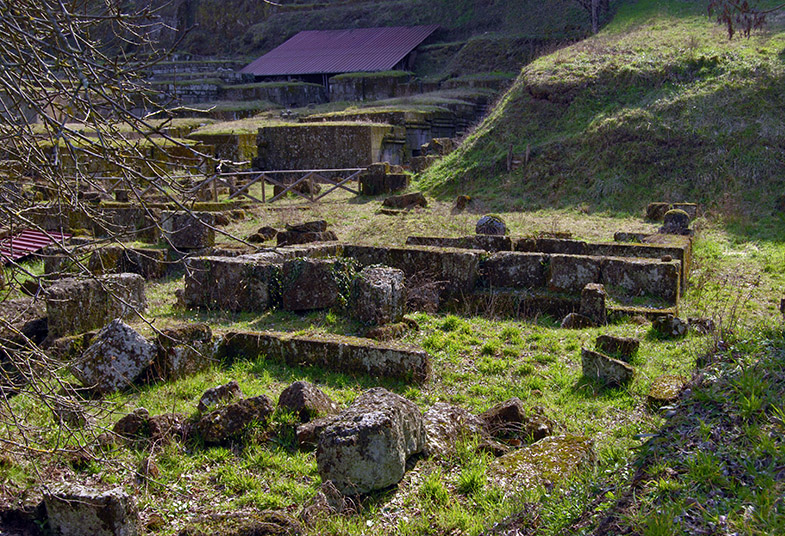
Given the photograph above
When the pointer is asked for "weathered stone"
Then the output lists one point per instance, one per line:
(183, 350)
(491, 224)
(623, 347)
(78, 305)
(571, 273)
(389, 332)
(317, 226)
(378, 295)
(669, 326)
(542, 464)
(415, 199)
(514, 270)
(286, 238)
(70, 411)
(505, 418)
(230, 422)
(306, 187)
(342, 354)
(380, 178)
(483, 242)
(75, 510)
(577, 321)
(244, 283)
(149, 263)
(166, 428)
(218, 395)
(244, 523)
(649, 277)
(656, 211)
(367, 446)
(134, 426)
(446, 425)
(457, 268)
(188, 230)
(593, 303)
(307, 401)
(313, 283)
(675, 222)
(263, 235)
(605, 369)
(552, 245)
(704, 326)
(117, 356)
(308, 433)
(665, 390)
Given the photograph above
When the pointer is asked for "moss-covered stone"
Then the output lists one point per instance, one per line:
(665, 390)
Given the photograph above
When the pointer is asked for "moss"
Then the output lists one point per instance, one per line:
(371, 75)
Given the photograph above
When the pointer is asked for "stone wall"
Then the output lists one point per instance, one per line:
(290, 94)
(232, 147)
(372, 86)
(322, 145)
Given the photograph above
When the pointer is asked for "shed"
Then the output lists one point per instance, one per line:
(315, 55)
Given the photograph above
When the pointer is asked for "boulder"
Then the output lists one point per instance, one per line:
(675, 222)
(75, 510)
(263, 235)
(366, 447)
(313, 283)
(188, 230)
(593, 303)
(219, 395)
(230, 422)
(665, 390)
(378, 295)
(462, 201)
(307, 401)
(491, 224)
(605, 369)
(445, 425)
(79, 305)
(405, 201)
(505, 419)
(577, 321)
(117, 356)
(183, 350)
(622, 347)
(669, 326)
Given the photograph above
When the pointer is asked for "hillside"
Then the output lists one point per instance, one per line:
(658, 106)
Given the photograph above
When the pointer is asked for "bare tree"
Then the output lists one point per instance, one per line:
(740, 15)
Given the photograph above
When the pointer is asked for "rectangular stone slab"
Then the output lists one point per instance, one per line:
(244, 283)
(482, 242)
(349, 355)
(636, 276)
(570, 273)
(680, 253)
(514, 270)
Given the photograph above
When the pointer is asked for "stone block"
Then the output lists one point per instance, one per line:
(307, 401)
(406, 201)
(231, 422)
(571, 273)
(116, 357)
(665, 390)
(514, 270)
(149, 263)
(565, 246)
(214, 396)
(315, 283)
(78, 305)
(183, 350)
(188, 230)
(286, 238)
(623, 347)
(482, 242)
(446, 425)
(340, 354)
(244, 283)
(366, 447)
(605, 369)
(643, 277)
(378, 295)
(75, 510)
(490, 224)
(593, 303)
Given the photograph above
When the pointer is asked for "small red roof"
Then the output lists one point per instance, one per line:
(341, 51)
(27, 242)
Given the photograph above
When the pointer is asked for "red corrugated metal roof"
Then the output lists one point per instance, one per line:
(341, 51)
(27, 242)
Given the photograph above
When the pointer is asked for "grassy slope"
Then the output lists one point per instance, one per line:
(658, 106)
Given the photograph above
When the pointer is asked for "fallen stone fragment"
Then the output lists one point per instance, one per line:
(75, 510)
(622, 347)
(134, 426)
(669, 326)
(307, 401)
(491, 224)
(445, 425)
(166, 428)
(405, 201)
(117, 356)
(244, 523)
(576, 321)
(665, 390)
(183, 351)
(593, 303)
(543, 463)
(366, 447)
(230, 422)
(605, 369)
(308, 433)
(504, 419)
(317, 226)
(221, 394)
